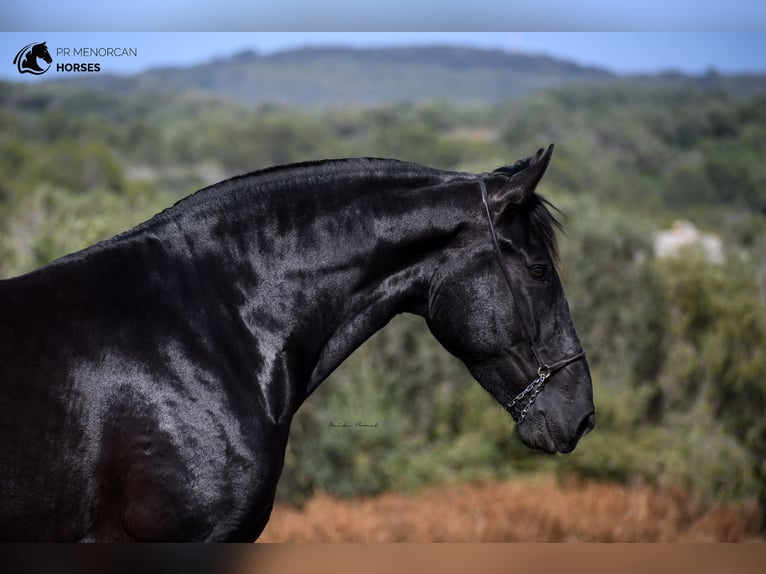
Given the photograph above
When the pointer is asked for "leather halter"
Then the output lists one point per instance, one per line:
(544, 370)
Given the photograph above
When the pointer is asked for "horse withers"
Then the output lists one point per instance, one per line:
(148, 382)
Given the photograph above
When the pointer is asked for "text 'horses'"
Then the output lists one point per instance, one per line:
(148, 383)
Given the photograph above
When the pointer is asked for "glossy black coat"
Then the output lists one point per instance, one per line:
(147, 384)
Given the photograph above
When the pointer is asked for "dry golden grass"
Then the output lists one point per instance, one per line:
(516, 512)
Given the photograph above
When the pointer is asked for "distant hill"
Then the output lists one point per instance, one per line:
(383, 75)
(348, 75)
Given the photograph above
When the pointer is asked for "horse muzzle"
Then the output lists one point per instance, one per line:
(543, 430)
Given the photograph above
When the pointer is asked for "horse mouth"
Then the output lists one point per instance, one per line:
(538, 434)
(535, 434)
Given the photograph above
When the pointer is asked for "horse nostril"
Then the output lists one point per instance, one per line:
(586, 425)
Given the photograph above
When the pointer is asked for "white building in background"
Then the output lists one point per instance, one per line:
(683, 235)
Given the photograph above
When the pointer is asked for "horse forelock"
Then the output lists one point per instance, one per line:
(538, 211)
(544, 224)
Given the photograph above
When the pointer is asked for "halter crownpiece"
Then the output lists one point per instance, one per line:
(544, 370)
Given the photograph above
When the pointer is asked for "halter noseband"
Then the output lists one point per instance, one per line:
(544, 370)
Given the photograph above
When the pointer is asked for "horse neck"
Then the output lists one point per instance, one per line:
(329, 267)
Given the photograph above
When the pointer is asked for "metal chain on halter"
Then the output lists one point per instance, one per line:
(544, 370)
(535, 387)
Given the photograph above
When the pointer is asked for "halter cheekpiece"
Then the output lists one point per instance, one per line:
(544, 370)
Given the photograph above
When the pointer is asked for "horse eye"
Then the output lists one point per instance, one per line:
(538, 271)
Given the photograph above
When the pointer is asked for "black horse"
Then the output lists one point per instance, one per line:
(147, 383)
(26, 60)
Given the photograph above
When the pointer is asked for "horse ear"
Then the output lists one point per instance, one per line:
(525, 176)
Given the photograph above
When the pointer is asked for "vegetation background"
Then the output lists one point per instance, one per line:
(677, 346)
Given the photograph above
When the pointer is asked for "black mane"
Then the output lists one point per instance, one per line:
(378, 168)
(536, 209)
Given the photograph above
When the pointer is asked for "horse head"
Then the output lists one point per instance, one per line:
(497, 303)
(41, 51)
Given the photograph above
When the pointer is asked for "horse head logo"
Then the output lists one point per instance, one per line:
(27, 60)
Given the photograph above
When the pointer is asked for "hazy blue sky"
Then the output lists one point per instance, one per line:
(410, 15)
(691, 52)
